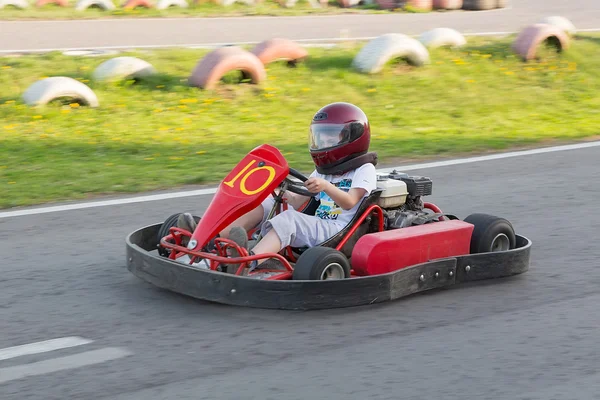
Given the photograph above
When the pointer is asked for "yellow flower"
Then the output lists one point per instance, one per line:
(74, 105)
(188, 101)
(371, 90)
(6, 67)
(200, 152)
(37, 117)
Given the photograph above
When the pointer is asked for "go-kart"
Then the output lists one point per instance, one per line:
(395, 236)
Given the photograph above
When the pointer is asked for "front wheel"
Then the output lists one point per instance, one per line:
(163, 231)
(321, 263)
(491, 233)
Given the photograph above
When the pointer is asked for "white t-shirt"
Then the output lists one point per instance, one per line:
(364, 177)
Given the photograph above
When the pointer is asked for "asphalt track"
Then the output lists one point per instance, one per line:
(529, 337)
(86, 34)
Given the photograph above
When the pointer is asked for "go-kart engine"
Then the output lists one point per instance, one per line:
(403, 209)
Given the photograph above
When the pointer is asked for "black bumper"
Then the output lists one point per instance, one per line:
(144, 262)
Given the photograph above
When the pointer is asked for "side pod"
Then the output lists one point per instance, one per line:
(388, 251)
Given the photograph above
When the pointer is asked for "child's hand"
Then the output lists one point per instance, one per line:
(316, 185)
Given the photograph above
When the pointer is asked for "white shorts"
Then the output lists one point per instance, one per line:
(297, 229)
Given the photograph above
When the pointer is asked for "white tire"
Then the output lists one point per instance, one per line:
(560, 22)
(164, 4)
(106, 5)
(442, 37)
(123, 68)
(46, 90)
(22, 4)
(376, 53)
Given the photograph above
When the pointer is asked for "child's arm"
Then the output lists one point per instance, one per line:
(346, 200)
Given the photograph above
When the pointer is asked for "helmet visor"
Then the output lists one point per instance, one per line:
(324, 136)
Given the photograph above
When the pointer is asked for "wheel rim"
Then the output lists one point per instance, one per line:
(500, 243)
(332, 271)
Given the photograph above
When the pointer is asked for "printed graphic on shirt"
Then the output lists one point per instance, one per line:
(328, 208)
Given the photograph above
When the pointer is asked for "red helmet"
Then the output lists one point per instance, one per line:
(338, 132)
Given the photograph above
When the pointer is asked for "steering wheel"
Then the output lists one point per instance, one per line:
(294, 186)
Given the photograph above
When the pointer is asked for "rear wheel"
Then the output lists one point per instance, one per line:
(491, 233)
(321, 263)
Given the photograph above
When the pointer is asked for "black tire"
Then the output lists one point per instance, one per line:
(316, 261)
(170, 222)
(479, 4)
(491, 233)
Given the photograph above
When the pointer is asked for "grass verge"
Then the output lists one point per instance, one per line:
(200, 9)
(160, 133)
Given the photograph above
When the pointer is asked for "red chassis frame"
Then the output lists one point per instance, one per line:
(222, 244)
(257, 176)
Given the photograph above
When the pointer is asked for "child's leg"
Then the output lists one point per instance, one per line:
(252, 219)
(293, 228)
(247, 221)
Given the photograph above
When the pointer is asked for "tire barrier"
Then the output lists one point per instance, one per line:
(424, 5)
(560, 22)
(223, 60)
(386, 4)
(131, 4)
(479, 5)
(106, 5)
(440, 37)
(530, 38)
(46, 90)
(60, 3)
(447, 4)
(348, 3)
(278, 49)
(22, 4)
(376, 53)
(123, 68)
(164, 4)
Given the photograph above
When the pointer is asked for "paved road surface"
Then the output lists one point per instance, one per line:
(528, 337)
(36, 35)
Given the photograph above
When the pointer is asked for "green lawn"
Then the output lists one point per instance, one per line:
(202, 9)
(161, 133)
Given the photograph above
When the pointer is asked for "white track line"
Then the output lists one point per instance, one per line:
(221, 44)
(201, 192)
(42, 347)
(62, 363)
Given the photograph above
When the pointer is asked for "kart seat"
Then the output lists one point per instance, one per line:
(368, 225)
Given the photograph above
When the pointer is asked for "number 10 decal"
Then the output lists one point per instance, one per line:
(248, 174)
